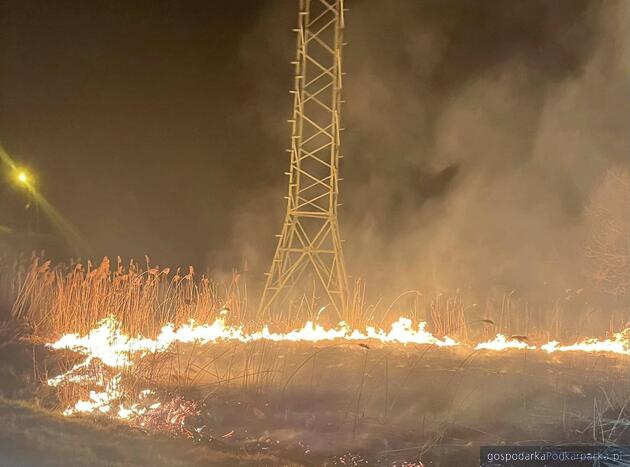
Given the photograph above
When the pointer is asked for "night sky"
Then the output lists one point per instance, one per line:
(135, 116)
(159, 128)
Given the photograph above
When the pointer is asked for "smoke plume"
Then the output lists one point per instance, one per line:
(475, 134)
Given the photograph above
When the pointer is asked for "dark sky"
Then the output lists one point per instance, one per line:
(134, 116)
(159, 127)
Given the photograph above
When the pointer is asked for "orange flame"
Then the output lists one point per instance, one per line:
(502, 343)
(619, 344)
(110, 347)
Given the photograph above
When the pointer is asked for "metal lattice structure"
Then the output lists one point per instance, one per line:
(310, 242)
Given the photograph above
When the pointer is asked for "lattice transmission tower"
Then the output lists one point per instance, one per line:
(309, 243)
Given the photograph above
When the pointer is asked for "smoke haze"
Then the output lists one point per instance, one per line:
(482, 131)
(475, 131)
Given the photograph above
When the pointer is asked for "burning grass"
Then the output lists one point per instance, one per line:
(56, 299)
(130, 320)
(154, 347)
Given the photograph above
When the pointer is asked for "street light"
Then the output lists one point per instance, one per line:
(21, 176)
(24, 178)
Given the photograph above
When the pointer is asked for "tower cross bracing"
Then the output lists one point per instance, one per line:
(309, 244)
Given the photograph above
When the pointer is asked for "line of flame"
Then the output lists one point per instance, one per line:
(108, 345)
(500, 342)
(619, 344)
(114, 348)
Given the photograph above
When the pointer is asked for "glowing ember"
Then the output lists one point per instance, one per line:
(170, 417)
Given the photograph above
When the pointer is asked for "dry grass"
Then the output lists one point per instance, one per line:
(610, 423)
(63, 298)
(13, 271)
(73, 298)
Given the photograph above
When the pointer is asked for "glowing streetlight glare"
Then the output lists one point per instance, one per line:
(23, 177)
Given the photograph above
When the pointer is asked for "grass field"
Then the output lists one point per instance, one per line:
(305, 403)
